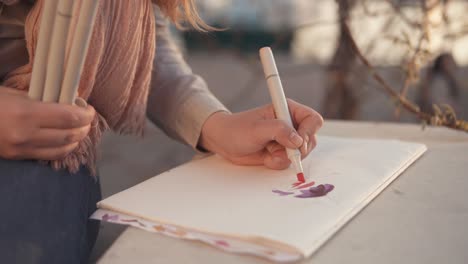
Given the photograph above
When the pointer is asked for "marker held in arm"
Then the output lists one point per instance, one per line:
(78, 51)
(280, 104)
(38, 77)
(55, 66)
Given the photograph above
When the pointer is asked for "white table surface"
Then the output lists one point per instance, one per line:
(422, 217)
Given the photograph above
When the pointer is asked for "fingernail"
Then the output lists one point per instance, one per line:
(305, 147)
(81, 102)
(306, 143)
(296, 139)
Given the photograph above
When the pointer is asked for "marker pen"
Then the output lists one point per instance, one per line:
(280, 104)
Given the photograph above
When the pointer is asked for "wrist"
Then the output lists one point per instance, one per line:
(212, 131)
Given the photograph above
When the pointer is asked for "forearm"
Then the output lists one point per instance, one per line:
(182, 109)
(179, 101)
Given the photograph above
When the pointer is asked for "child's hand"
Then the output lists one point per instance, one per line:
(255, 137)
(35, 130)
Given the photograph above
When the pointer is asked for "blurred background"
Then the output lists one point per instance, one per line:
(419, 48)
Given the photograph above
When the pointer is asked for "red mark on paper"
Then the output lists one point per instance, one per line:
(222, 243)
(305, 185)
(296, 184)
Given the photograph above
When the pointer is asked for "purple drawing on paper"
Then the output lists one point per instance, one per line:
(282, 193)
(312, 192)
(108, 217)
(317, 191)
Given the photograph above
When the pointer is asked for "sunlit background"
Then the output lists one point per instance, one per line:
(305, 37)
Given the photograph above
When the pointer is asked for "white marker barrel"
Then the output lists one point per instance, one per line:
(279, 99)
(78, 52)
(36, 87)
(58, 47)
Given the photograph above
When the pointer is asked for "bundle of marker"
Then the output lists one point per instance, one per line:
(280, 104)
(52, 80)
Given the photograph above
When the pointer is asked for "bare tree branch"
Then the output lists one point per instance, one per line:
(443, 115)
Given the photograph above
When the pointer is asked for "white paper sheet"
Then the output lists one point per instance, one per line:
(222, 199)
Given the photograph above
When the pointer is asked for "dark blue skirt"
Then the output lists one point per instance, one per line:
(44, 214)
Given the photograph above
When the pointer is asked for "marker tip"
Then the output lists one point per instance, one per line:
(300, 177)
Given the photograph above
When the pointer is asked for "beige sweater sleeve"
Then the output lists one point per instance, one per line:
(179, 101)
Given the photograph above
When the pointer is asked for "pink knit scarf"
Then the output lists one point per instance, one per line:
(116, 75)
